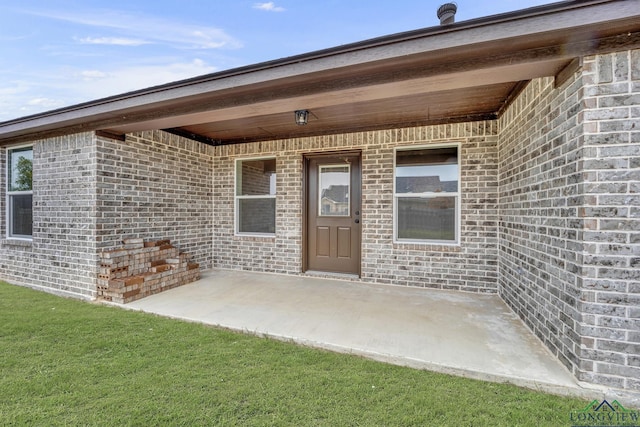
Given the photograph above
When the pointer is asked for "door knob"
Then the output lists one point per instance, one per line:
(357, 221)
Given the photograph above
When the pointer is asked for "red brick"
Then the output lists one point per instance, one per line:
(130, 293)
(116, 284)
(160, 268)
(134, 280)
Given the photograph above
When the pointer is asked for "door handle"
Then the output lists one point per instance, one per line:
(357, 221)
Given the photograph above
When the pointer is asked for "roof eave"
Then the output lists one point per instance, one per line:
(493, 29)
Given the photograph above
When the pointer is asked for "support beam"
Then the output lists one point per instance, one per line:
(567, 72)
(111, 135)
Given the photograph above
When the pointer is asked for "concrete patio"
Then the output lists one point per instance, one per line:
(466, 334)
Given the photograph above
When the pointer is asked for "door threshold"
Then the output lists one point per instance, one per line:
(332, 275)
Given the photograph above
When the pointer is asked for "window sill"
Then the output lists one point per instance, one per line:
(20, 243)
(428, 246)
(255, 237)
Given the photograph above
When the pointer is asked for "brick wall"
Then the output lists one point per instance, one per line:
(62, 256)
(540, 153)
(570, 228)
(611, 215)
(281, 253)
(471, 266)
(91, 192)
(154, 186)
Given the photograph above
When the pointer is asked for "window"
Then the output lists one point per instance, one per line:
(256, 196)
(427, 195)
(19, 192)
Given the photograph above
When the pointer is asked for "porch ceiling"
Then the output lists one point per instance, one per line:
(461, 72)
(343, 104)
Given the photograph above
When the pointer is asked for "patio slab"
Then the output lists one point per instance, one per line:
(473, 335)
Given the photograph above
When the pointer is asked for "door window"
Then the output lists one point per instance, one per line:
(334, 190)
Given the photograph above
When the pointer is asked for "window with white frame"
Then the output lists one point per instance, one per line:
(19, 192)
(426, 200)
(256, 196)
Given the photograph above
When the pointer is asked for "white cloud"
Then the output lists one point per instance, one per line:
(207, 40)
(269, 7)
(18, 98)
(148, 29)
(24, 100)
(65, 87)
(92, 75)
(14, 38)
(15, 88)
(43, 102)
(95, 84)
(117, 41)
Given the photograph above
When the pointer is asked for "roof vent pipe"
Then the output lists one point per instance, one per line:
(447, 13)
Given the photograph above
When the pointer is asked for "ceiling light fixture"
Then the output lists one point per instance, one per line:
(301, 117)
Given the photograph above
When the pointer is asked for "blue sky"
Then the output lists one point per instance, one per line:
(56, 53)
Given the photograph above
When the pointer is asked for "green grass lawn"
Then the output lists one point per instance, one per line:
(67, 362)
